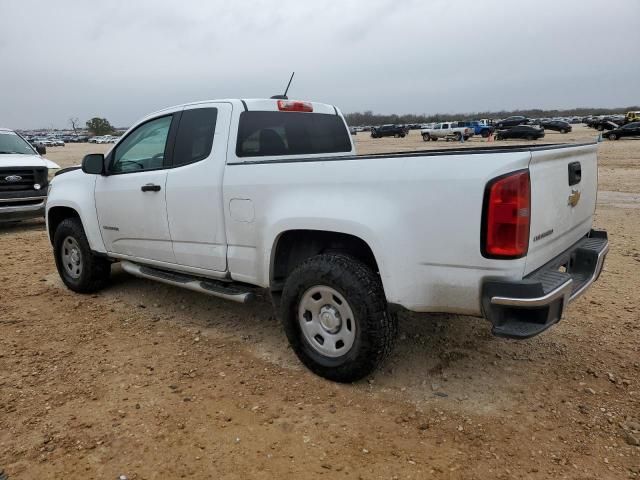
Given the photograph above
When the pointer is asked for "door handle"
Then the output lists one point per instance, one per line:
(150, 187)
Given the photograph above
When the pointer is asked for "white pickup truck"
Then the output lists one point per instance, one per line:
(229, 197)
(448, 131)
(24, 178)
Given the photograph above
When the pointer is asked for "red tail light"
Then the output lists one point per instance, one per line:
(507, 216)
(294, 106)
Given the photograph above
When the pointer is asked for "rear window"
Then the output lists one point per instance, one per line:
(291, 133)
(195, 135)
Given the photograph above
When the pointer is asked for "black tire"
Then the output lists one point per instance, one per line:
(458, 136)
(530, 137)
(434, 139)
(613, 136)
(425, 138)
(466, 137)
(562, 130)
(95, 271)
(375, 327)
(402, 135)
(484, 133)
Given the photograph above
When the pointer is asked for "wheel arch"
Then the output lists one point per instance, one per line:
(57, 215)
(292, 247)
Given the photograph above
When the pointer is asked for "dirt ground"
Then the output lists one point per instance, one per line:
(150, 381)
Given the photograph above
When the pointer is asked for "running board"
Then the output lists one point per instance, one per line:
(228, 291)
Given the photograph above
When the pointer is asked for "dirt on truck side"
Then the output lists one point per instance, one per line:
(150, 381)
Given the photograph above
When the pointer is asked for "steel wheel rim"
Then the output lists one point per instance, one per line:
(71, 257)
(326, 321)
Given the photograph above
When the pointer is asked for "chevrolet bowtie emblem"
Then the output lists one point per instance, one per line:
(574, 198)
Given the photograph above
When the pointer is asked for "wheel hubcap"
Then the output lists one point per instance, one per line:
(71, 257)
(326, 321)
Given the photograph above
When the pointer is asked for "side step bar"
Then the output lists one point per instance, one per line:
(231, 292)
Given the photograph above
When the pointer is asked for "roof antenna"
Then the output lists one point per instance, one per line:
(284, 97)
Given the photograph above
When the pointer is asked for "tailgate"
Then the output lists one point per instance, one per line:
(564, 186)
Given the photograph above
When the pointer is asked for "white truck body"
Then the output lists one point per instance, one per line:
(225, 216)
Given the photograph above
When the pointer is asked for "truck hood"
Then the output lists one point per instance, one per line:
(11, 161)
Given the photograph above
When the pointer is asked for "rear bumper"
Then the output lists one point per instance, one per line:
(522, 309)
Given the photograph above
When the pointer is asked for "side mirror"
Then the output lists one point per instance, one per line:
(93, 164)
(41, 149)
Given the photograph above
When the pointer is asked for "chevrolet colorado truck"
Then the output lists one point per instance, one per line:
(24, 178)
(233, 197)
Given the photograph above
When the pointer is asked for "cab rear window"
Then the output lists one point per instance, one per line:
(291, 133)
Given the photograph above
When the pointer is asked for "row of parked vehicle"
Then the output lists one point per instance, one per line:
(103, 139)
(516, 126)
(616, 126)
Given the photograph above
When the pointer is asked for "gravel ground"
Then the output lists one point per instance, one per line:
(149, 381)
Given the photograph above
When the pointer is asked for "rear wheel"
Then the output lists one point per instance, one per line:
(335, 316)
(79, 268)
(613, 136)
(458, 136)
(434, 139)
(484, 133)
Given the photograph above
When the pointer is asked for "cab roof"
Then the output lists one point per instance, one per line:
(253, 104)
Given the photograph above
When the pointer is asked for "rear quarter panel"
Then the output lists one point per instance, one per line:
(420, 215)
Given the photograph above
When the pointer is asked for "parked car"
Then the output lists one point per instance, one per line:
(606, 124)
(631, 117)
(628, 130)
(527, 132)
(512, 121)
(556, 125)
(24, 178)
(446, 130)
(340, 241)
(388, 131)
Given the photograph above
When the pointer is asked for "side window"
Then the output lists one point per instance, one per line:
(144, 148)
(445, 126)
(195, 135)
(438, 127)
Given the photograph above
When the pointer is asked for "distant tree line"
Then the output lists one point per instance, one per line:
(370, 118)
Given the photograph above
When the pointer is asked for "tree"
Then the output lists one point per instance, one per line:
(74, 122)
(99, 126)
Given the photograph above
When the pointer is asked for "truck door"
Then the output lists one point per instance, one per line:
(195, 209)
(130, 201)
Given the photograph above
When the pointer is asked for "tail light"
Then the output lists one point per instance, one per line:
(507, 216)
(294, 106)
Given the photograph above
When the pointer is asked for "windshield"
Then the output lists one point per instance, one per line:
(11, 142)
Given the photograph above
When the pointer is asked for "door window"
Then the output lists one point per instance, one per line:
(195, 135)
(144, 148)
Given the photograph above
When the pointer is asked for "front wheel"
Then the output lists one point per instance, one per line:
(335, 316)
(79, 268)
(425, 138)
(613, 136)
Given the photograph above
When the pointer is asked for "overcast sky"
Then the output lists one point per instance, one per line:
(123, 59)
